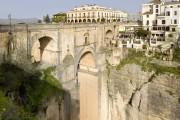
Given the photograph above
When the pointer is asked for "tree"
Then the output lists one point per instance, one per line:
(142, 33)
(60, 17)
(47, 19)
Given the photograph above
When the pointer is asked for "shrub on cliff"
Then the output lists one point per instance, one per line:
(23, 94)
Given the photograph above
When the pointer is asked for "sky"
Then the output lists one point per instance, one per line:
(40, 8)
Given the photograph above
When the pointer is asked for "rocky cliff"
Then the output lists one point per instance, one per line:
(135, 94)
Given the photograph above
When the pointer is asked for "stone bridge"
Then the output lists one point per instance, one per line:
(78, 50)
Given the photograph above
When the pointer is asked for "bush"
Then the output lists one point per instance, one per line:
(23, 94)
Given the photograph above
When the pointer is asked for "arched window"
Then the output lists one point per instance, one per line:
(86, 38)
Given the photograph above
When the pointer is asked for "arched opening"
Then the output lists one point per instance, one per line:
(72, 21)
(108, 38)
(103, 20)
(89, 20)
(38, 49)
(80, 21)
(69, 21)
(68, 65)
(98, 20)
(86, 38)
(88, 83)
(76, 21)
(84, 20)
(94, 21)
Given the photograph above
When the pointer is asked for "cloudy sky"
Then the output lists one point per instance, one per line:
(38, 8)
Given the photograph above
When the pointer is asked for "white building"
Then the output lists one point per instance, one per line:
(162, 18)
(95, 13)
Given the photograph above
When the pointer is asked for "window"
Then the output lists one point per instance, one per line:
(163, 22)
(147, 23)
(173, 29)
(175, 12)
(167, 28)
(178, 6)
(171, 6)
(86, 40)
(175, 21)
(84, 14)
(157, 6)
(147, 16)
(157, 10)
(168, 13)
(154, 28)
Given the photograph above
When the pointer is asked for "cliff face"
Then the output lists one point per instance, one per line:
(138, 95)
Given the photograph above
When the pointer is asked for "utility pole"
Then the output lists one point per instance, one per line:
(10, 23)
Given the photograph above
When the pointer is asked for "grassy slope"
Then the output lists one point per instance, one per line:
(23, 94)
(140, 59)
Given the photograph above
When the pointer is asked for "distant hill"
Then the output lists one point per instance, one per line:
(19, 21)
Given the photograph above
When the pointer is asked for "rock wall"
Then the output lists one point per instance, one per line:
(138, 95)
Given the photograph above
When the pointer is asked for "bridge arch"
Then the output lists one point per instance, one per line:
(40, 50)
(68, 67)
(88, 84)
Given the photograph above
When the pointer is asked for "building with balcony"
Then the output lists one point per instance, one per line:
(94, 13)
(162, 18)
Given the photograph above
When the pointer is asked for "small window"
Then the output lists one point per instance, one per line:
(86, 40)
(173, 29)
(163, 22)
(175, 21)
(157, 6)
(167, 28)
(161, 35)
(147, 23)
(171, 6)
(157, 10)
(175, 12)
(147, 16)
(168, 13)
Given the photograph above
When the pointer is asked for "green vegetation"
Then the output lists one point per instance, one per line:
(177, 55)
(46, 19)
(142, 33)
(60, 17)
(23, 94)
(139, 58)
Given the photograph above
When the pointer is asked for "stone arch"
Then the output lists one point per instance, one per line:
(88, 84)
(108, 38)
(94, 21)
(84, 20)
(80, 21)
(72, 21)
(86, 38)
(39, 51)
(89, 20)
(76, 21)
(68, 68)
(87, 59)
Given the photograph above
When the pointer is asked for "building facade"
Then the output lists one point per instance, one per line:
(94, 13)
(162, 18)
